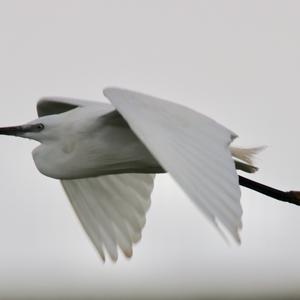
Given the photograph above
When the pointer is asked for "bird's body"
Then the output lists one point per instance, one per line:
(91, 141)
(106, 157)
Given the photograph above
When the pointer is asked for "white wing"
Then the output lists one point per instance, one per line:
(111, 209)
(57, 105)
(191, 147)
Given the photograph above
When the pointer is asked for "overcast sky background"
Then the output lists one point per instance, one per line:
(236, 61)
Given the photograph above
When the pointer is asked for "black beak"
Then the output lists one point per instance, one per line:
(15, 130)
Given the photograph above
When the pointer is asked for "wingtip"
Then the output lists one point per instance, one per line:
(128, 253)
(112, 92)
(107, 91)
(229, 234)
(102, 256)
(114, 259)
(237, 238)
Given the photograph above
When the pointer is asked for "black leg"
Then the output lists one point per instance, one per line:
(291, 197)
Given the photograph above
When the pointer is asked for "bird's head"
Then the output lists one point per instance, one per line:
(38, 130)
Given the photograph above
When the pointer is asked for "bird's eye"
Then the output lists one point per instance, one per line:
(40, 126)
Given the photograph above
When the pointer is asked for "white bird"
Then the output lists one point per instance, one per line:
(106, 157)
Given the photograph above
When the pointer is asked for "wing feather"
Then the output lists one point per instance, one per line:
(112, 209)
(193, 148)
(56, 105)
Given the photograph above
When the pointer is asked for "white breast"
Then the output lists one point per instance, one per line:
(90, 147)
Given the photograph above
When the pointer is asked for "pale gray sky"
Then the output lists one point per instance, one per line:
(236, 61)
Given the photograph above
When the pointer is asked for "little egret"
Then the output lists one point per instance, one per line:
(106, 157)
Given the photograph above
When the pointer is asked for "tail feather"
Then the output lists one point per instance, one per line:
(246, 154)
(245, 157)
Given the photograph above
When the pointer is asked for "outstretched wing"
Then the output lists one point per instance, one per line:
(191, 147)
(112, 209)
(56, 105)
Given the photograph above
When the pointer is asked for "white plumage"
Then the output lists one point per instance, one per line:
(106, 157)
(112, 209)
(192, 148)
